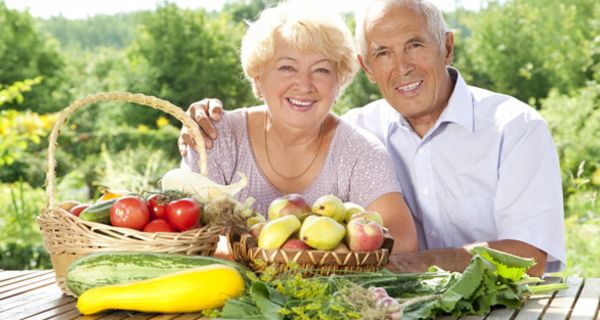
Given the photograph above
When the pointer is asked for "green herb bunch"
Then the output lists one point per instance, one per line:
(492, 278)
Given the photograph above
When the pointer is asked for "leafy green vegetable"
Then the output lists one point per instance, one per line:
(492, 278)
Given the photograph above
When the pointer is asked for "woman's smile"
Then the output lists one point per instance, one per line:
(302, 105)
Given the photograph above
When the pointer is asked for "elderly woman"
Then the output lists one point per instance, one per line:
(298, 59)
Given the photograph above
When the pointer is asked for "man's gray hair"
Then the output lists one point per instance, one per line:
(435, 20)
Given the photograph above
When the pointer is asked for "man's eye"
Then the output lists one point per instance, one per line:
(414, 45)
(381, 54)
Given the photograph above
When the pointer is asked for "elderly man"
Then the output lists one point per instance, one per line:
(475, 167)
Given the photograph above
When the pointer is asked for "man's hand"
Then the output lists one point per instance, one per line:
(204, 112)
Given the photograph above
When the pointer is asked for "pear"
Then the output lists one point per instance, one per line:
(351, 208)
(274, 234)
(330, 206)
(322, 233)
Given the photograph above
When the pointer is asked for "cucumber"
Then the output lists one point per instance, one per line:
(99, 212)
(107, 268)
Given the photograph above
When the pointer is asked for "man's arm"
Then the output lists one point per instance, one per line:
(457, 259)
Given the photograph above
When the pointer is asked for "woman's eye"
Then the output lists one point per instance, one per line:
(286, 68)
(322, 70)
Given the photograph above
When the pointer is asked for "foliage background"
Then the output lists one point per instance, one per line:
(545, 53)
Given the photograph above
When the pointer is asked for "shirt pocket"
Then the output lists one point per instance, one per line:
(470, 220)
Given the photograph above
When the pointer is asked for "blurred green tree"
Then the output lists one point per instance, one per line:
(183, 55)
(26, 54)
(525, 48)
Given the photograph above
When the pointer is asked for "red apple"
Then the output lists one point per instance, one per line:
(290, 204)
(295, 244)
(371, 215)
(363, 234)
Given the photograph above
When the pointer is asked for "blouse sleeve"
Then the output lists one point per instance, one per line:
(373, 173)
(221, 158)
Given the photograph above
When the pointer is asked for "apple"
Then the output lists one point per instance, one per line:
(256, 228)
(371, 215)
(290, 204)
(295, 244)
(351, 208)
(363, 234)
(254, 220)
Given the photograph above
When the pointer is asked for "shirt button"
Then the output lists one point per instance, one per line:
(432, 233)
(426, 191)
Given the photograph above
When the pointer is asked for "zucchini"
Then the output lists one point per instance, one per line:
(99, 212)
(108, 268)
(191, 290)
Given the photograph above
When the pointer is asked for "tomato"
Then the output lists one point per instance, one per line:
(130, 212)
(183, 214)
(158, 225)
(157, 206)
(76, 210)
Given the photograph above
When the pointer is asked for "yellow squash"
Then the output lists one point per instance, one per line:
(186, 291)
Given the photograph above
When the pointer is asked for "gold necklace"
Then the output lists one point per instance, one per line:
(311, 161)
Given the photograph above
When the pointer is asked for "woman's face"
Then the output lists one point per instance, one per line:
(299, 87)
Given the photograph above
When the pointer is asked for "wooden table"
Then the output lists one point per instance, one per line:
(34, 295)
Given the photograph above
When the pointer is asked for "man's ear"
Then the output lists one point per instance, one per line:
(449, 47)
(365, 68)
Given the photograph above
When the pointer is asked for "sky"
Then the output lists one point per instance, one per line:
(80, 9)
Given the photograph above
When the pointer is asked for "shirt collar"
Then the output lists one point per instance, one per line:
(459, 109)
(460, 105)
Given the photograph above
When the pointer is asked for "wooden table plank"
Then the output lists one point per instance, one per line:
(8, 274)
(536, 305)
(55, 311)
(40, 306)
(191, 316)
(501, 314)
(28, 286)
(587, 304)
(563, 301)
(43, 293)
(26, 276)
(127, 315)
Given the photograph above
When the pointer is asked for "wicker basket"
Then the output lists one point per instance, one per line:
(67, 237)
(244, 248)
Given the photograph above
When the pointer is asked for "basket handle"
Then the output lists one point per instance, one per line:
(144, 100)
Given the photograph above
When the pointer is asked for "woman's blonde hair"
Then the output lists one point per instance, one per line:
(304, 25)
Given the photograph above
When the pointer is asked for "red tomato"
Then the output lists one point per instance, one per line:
(76, 210)
(183, 214)
(129, 212)
(158, 225)
(157, 207)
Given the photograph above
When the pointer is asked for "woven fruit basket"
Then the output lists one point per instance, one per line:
(67, 238)
(244, 249)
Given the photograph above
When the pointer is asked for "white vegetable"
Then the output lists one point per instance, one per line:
(200, 186)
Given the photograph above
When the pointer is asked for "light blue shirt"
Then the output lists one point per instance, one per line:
(487, 170)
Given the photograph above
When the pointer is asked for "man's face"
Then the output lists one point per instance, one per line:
(407, 63)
